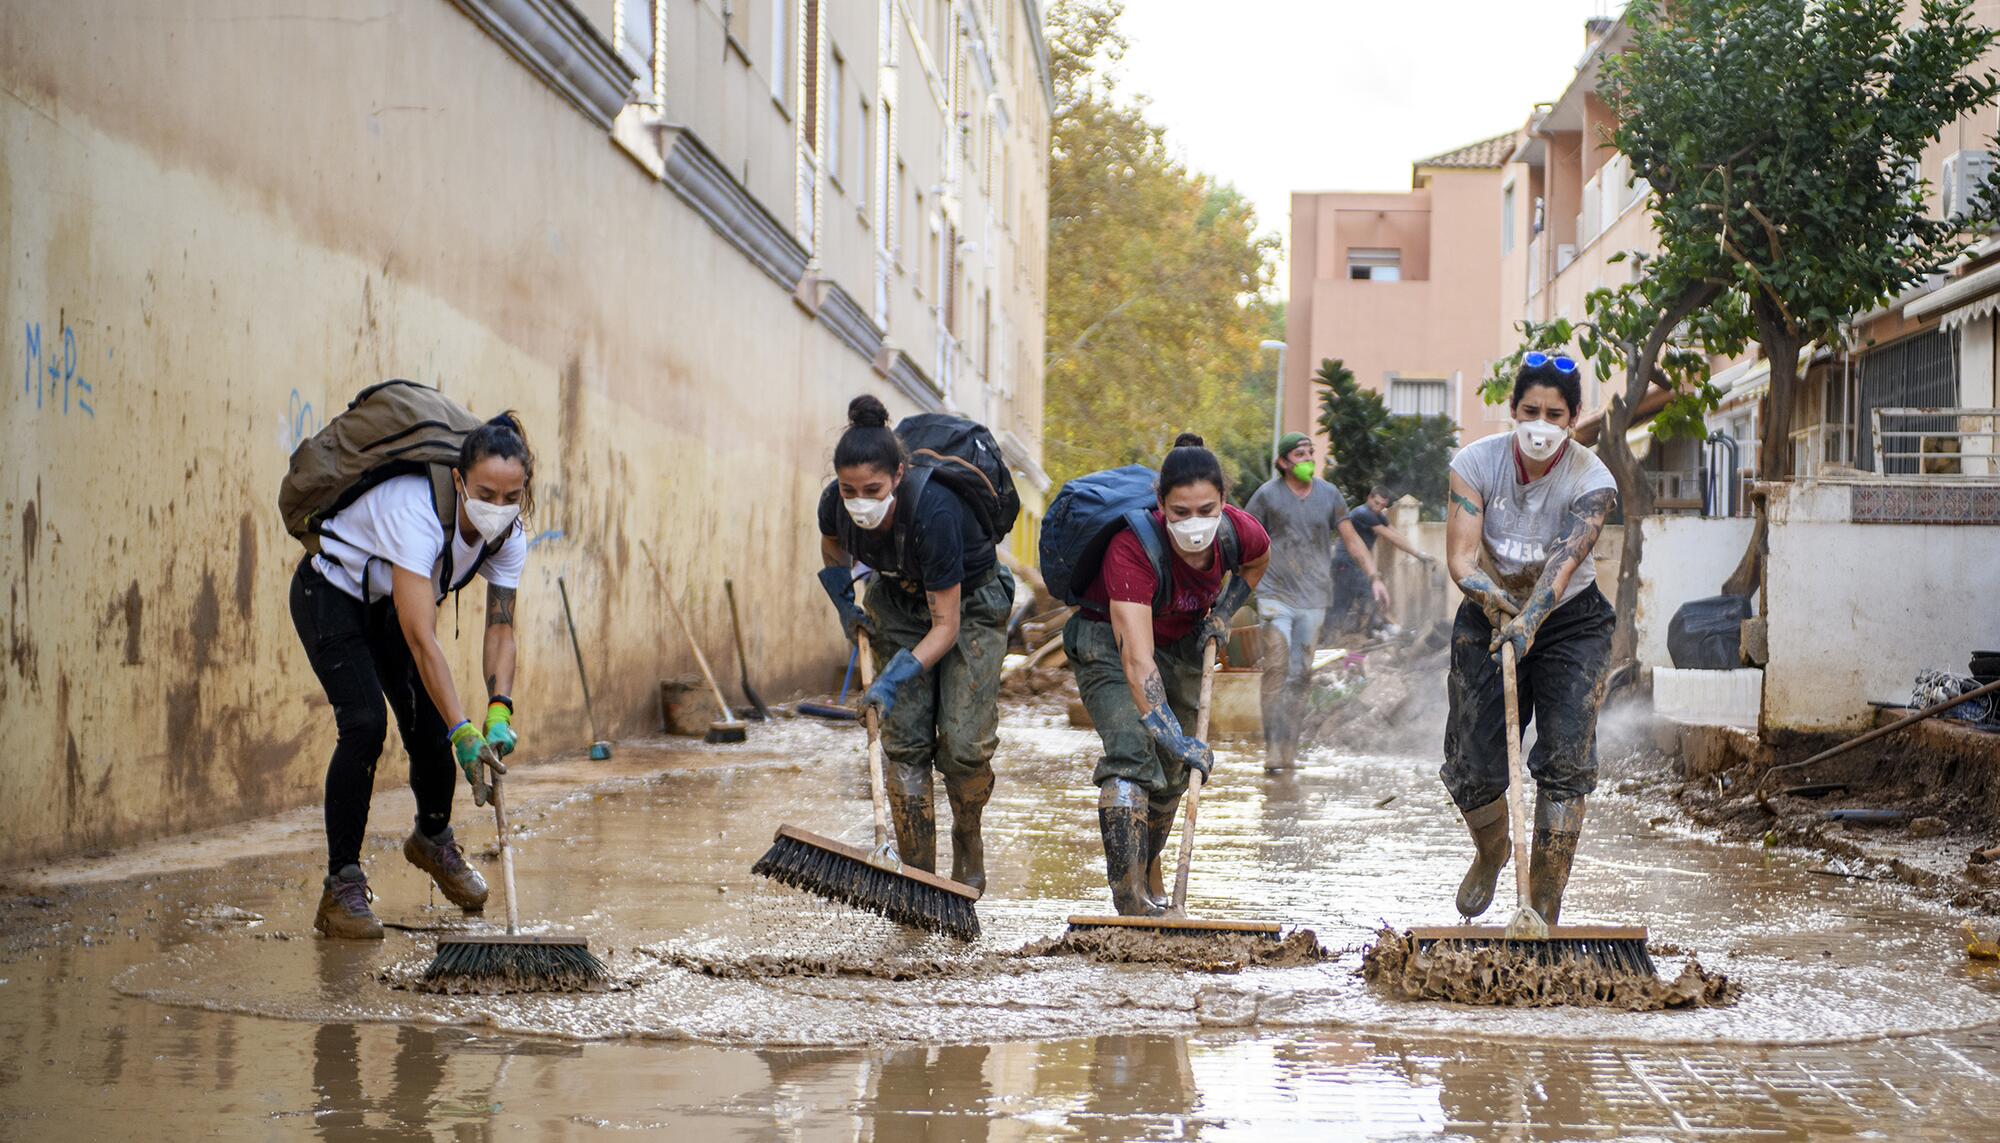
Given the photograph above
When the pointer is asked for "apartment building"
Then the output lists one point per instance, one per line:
(676, 235)
(1402, 287)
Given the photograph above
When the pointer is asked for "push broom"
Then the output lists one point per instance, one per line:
(728, 728)
(512, 960)
(876, 880)
(1177, 922)
(1616, 948)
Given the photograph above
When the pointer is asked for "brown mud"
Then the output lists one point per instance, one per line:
(1207, 952)
(1488, 975)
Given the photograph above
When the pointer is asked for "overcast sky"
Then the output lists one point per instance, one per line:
(1275, 96)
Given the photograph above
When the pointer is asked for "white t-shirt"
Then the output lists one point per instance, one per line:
(1521, 522)
(394, 523)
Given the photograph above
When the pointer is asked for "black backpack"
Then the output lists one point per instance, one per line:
(964, 456)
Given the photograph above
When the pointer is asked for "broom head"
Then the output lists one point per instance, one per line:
(511, 962)
(727, 730)
(1616, 948)
(853, 876)
(1179, 926)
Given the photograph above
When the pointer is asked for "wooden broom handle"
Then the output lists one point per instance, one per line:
(1517, 814)
(871, 719)
(699, 658)
(1194, 779)
(506, 851)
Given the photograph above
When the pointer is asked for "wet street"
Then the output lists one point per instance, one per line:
(178, 990)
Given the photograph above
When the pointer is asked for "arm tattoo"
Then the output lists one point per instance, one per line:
(1154, 690)
(935, 601)
(1461, 502)
(1573, 546)
(492, 684)
(499, 606)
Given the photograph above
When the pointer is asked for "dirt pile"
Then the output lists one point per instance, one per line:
(1491, 975)
(768, 966)
(1218, 953)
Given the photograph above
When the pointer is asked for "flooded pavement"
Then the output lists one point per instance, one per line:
(178, 989)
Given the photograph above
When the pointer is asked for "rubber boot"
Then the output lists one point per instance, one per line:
(343, 907)
(968, 850)
(1160, 815)
(1121, 817)
(1557, 827)
(1488, 825)
(914, 812)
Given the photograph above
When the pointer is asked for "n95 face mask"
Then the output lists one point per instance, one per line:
(1538, 439)
(868, 514)
(1195, 533)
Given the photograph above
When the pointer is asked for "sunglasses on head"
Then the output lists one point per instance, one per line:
(1537, 360)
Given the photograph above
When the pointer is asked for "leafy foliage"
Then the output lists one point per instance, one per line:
(1372, 446)
(1780, 140)
(1154, 279)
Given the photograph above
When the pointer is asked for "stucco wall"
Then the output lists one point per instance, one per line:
(1686, 557)
(1856, 609)
(220, 223)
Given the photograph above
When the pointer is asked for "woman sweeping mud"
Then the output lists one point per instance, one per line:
(1138, 667)
(1526, 508)
(366, 609)
(936, 619)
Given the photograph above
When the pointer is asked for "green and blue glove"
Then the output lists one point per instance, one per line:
(881, 695)
(500, 726)
(470, 749)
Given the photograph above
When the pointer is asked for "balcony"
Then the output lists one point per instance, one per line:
(1936, 445)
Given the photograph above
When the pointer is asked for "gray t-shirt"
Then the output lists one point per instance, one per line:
(1302, 536)
(1521, 522)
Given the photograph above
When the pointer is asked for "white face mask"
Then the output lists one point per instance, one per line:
(1195, 533)
(868, 514)
(1538, 439)
(491, 521)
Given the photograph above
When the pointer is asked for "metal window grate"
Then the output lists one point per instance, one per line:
(1917, 372)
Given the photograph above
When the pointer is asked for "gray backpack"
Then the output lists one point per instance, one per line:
(396, 428)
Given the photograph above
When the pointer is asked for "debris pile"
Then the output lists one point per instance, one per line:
(1492, 975)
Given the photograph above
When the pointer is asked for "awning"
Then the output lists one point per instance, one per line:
(1968, 299)
(1639, 438)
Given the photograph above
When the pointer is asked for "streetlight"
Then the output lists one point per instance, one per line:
(1278, 403)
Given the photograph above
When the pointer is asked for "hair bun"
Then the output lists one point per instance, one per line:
(1189, 440)
(867, 411)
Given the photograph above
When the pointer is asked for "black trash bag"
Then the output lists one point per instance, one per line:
(1707, 634)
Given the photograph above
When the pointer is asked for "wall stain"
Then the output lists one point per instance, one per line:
(135, 609)
(31, 527)
(21, 650)
(246, 565)
(205, 624)
(189, 741)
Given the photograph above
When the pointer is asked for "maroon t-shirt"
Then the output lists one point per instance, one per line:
(1127, 577)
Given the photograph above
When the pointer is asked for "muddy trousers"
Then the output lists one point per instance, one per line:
(1561, 684)
(361, 658)
(1289, 636)
(945, 720)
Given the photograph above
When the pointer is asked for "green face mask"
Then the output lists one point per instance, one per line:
(1303, 470)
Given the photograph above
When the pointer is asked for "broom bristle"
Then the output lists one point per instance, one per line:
(1179, 927)
(526, 965)
(1624, 955)
(855, 881)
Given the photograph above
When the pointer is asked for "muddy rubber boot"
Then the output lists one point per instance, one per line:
(343, 907)
(914, 811)
(968, 850)
(1121, 818)
(1159, 831)
(1558, 825)
(1488, 825)
(444, 859)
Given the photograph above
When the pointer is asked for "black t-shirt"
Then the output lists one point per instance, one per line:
(948, 545)
(1365, 521)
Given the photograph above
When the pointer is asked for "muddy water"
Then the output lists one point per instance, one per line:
(193, 997)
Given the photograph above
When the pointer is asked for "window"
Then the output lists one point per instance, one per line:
(809, 74)
(836, 91)
(781, 47)
(1366, 265)
(866, 200)
(1507, 219)
(641, 40)
(1416, 397)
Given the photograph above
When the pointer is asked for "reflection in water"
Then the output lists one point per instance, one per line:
(1138, 1084)
(932, 1095)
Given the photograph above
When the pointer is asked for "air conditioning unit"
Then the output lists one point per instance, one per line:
(1565, 254)
(1965, 174)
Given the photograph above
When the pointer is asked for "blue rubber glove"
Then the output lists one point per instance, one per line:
(1516, 632)
(1232, 599)
(839, 585)
(1165, 730)
(902, 667)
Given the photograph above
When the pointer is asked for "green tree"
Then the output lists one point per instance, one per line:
(1154, 276)
(1419, 465)
(1780, 138)
(1355, 423)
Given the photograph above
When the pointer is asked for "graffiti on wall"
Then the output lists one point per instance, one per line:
(51, 370)
(302, 421)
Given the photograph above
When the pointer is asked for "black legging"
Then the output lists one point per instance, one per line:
(361, 658)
